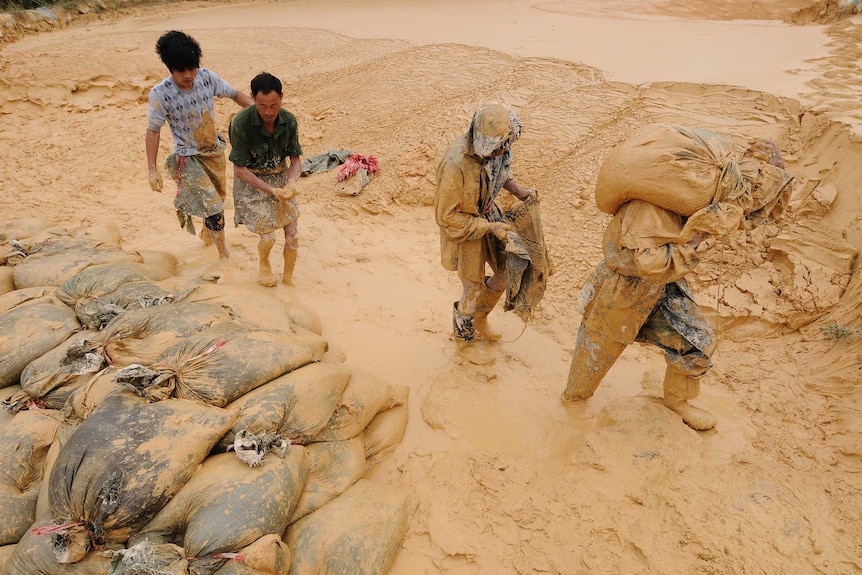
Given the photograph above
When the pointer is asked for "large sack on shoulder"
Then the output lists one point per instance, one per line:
(34, 555)
(50, 379)
(333, 467)
(363, 398)
(98, 312)
(220, 364)
(141, 335)
(294, 406)
(99, 280)
(384, 434)
(227, 505)
(676, 168)
(30, 331)
(18, 297)
(24, 445)
(251, 303)
(53, 261)
(359, 532)
(123, 464)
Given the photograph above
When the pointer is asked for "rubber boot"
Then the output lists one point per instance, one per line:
(466, 347)
(678, 389)
(220, 244)
(289, 265)
(265, 276)
(488, 298)
(594, 355)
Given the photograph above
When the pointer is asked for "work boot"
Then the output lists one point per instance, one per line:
(466, 347)
(289, 265)
(678, 389)
(594, 355)
(265, 275)
(488, 298)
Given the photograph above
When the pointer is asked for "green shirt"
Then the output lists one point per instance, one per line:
(258, 150)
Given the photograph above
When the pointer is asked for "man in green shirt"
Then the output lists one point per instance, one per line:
(262, 137)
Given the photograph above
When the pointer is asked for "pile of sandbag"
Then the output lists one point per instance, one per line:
(153, 425)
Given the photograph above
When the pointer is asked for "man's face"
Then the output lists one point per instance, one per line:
(268, 106)
(184, 79)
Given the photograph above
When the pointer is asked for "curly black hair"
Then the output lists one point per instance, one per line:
(179, 51)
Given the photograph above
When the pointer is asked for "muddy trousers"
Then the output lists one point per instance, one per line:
(594, 355)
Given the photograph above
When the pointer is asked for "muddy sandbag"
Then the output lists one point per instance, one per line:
(333, 466)
(219, 365)
(24, 445)
(358, 532)
(164, 261)
(96, 313)
(22, 228)
(294, 406)
(269, 555)
(141, 335)
(6, 552)
(34, 555)
(148, 559)
(685, 170)
(384, 434)
(49, 380)
(6, 415)
(227, 505)
(54, 261)
(99, 280)
(85, 399)
(304, 316)
(30, 331)
(251, 303)
(363, 398)
(123, 464)
(18, 297)
(7, 282)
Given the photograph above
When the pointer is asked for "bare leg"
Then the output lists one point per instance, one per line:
(264, 247)
(291, 250)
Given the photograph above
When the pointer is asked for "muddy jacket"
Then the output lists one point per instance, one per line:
(641, 258)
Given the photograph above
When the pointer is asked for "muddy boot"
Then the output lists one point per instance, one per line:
(488, 298)
(465, 345)
(594, 355)
(678, 389)
(289, 265)
(265, 275)
(220, 244)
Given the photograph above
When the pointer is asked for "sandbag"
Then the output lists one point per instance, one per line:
(53, 261)
(23, 228)
(24, 296)
(303, 316)
(96, 313)
(220, 364)
(6, 415)
(227, 505)
(34, 555)
(99, 280)
(384, 434)
(333, 466)
(251, 303)
(359, 532)
(24, 445)
(51, 378)
(6, 552)
(7, 282)
(164, 261)
(141, 335)
(363, 398)
(528, 264)
(294, 406)
(30, 331)
(676, 168)
(123, 464)
(85, 399)
(269, 555)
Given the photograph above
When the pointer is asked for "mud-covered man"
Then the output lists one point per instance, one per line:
(265, 152)
(472, 232)
(639, 293)
(186, 100)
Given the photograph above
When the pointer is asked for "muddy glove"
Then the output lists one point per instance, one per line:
(155, 180)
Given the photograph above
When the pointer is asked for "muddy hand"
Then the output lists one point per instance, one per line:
(499, 230)
(155, 180)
